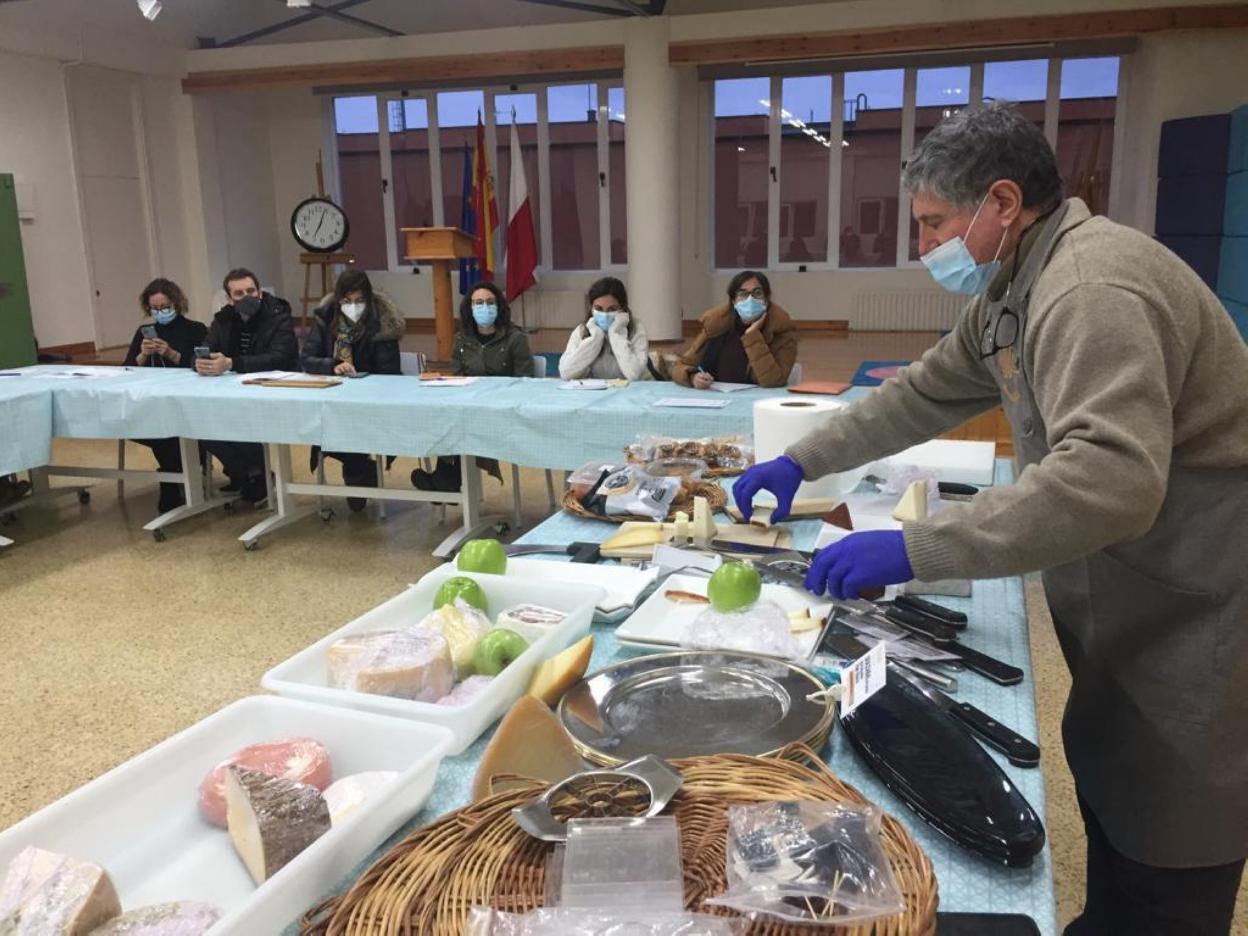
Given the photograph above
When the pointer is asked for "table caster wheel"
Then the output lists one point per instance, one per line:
(7, 519)
(251, 547)
(327, 514)
(228, 506)
(158, 535)
(84, 496)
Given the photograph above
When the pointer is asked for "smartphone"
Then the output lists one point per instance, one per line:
(149, 331)
(358, 374)
(202, 351)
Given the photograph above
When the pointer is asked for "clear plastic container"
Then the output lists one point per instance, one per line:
(687, 469)
(624, 863)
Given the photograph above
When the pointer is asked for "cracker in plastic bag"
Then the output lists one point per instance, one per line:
(631, 492)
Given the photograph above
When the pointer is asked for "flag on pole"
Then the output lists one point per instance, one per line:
(469, 275)
(521, 237)
(484, 206)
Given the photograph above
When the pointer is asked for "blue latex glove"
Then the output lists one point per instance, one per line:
(860, 560)
(781, 476)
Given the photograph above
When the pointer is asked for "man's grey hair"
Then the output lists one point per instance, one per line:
(968, 151)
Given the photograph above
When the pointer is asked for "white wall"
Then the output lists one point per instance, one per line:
(35, 146)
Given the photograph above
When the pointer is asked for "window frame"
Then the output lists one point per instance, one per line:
(908, 119)
(384, 100)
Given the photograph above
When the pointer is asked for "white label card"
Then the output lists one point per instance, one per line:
(864, 678)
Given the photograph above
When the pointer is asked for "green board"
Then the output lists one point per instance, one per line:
(17, 334)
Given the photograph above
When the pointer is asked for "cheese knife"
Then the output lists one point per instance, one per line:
(1018, 750)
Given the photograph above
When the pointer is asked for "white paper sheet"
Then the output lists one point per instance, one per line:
(725, 387)
(690, 403)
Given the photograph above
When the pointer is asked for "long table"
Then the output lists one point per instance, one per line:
(524, 421)
(25, 428)
(998, 626)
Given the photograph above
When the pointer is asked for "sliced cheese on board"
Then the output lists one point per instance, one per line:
(635, 536)
(680, 529)
(704, 529)
(555, 676)
(271, 820)
(179, 918)
(345, 796)
(530, 742)
(48, 894)
(403, 664)
(913, 503)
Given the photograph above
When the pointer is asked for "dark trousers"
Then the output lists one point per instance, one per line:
(357, 470)
(240, 460)
(168, 458)
(1126, 897)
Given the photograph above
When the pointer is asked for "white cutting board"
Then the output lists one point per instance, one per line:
(950, 460)
(623, 584)
(660, 622)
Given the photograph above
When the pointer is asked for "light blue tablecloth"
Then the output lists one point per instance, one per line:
(524, 421)
(25, 425)
(998, 626)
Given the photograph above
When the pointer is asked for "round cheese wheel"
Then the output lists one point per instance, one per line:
(303, 760)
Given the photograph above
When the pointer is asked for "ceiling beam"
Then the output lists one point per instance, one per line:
(333, 12)
(244, 38)
(533, 64)
(583, 7)
(985, 33)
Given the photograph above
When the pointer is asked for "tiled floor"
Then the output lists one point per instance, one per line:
(114, 642)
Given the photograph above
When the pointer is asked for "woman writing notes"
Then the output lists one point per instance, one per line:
(610, 344)
(749, 340)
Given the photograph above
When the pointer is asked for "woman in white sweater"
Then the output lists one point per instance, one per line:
(610, 344)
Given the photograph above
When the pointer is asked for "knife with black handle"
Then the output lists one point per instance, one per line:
(1018, 750)
(999, 672)
(938, 632)
(931, 609)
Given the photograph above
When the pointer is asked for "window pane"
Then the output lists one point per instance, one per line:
(870, 168)
(741, 172)
(409, 155)
(615, 155)
(525, 106)
(806, 122)
(1085, 129)
(572, 111)
(939, 93)
(1026, 83)
(359, 175)
(457, 134)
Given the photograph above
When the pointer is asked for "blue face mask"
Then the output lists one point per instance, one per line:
(485, 315)
(751, 309)
(604, 320)
(953, 266)
(164, 316)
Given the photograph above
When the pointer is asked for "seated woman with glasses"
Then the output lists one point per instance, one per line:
(748, 340)
(486, 345)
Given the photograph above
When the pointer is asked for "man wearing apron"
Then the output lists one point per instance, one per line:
(1126, 386)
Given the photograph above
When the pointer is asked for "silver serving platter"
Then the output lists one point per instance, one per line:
(692, 703)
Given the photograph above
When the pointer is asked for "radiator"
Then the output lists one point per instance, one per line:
(905, 310)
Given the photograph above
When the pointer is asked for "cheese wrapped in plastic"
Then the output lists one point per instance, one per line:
(48, 894)
(404, 664)
(178, 918)
(462, 626)
(532, 622)
(347, 795)
(304, 760)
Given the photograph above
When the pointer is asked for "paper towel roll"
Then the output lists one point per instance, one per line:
(781, 421)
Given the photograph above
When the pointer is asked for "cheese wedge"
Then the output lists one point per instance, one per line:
(839, 516)
(179, 918)
(48, 894)
(529, 742)
(704, 529)
(271, 820)
(680, 529)
(650, 534)
(913, 503)
(556, 675)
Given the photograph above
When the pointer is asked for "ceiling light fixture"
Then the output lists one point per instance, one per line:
(150, 8)
(298, 3)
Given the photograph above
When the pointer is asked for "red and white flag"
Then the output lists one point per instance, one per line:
(521, 236)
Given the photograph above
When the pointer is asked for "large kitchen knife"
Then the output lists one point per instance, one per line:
(1019, 751)
(580, 552)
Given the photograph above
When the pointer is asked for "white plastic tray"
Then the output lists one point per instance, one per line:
(660, 622)
(305, 675)
(623, 584)
(141, 822)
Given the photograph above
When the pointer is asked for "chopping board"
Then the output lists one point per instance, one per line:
(637, 539)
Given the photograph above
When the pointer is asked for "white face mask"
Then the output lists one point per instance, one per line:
(352, 310)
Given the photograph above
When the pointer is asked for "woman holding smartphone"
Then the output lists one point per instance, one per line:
(167, 339)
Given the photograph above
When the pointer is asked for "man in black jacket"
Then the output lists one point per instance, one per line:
(254, 332)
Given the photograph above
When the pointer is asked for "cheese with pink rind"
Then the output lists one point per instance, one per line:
(304, 760)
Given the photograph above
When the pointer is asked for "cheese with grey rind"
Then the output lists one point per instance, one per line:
(178, 918)
(48, 894)
(271, 820)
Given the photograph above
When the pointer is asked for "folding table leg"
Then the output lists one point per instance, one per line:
(281, 501)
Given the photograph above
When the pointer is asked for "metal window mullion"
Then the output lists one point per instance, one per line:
(836, 137)
(774, 127)
(977, 84)
(908, 120)
(604, 176)
(543, 174)
(387, 184)
(1113, 208)
(435, 160)
(1052, 101)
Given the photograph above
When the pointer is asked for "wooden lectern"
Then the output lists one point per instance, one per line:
(441, 245)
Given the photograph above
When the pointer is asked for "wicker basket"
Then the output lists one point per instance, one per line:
(478, 856)
(715, 496)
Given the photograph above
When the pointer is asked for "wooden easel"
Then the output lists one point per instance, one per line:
(326, 262)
